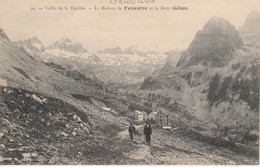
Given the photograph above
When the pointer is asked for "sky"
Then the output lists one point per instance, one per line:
(160, 30)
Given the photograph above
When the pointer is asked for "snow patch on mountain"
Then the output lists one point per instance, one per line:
(67, 45)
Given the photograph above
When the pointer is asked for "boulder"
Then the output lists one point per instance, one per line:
(86, 130)
(75, 117)
(26, 156)
(1, 134)
(34, 154)
(1, 158)
(82, 125)
(80, 153)
(74, 133)
(5, 122)
(2, 146)
(64, 134)
(78, 120)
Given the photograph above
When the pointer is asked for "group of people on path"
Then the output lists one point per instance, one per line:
(147, 132)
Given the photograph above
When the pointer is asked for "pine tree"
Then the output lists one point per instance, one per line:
(244, 90)
(254, 97)
(223, 92)
(235, 86)
(213, 87)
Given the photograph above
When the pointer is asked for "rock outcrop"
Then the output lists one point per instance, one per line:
(3, 35)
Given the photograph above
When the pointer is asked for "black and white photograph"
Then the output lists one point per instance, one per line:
(129, 82)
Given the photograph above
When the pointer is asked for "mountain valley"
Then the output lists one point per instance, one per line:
(63, 104)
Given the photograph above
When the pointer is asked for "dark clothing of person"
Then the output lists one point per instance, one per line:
(148, 139)
(147, 133)
(131, 131)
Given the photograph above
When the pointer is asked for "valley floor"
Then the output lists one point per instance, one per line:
(174, 148)
(166, 148)
(106, 141)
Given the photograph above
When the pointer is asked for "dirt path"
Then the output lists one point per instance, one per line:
(169, 150)
(125, 134)
(143, 152)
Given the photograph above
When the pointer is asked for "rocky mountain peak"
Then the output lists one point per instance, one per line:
(221, 28)
(32, 45)
(253, 16)
(139, 50)
(252, 21)
(68, 45)
(116, 50)
(213, 45)
(3, 35)
(35, 40)
(217, 25)
(250, 29)
(65, 40)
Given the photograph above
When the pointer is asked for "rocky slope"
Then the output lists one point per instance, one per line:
(216, 79)
(46, 108)
(171, 61)
(38, 129)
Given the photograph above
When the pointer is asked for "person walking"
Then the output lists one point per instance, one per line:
(131, 131)
(147, 132)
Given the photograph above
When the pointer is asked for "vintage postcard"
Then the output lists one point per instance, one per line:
(129, 82)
